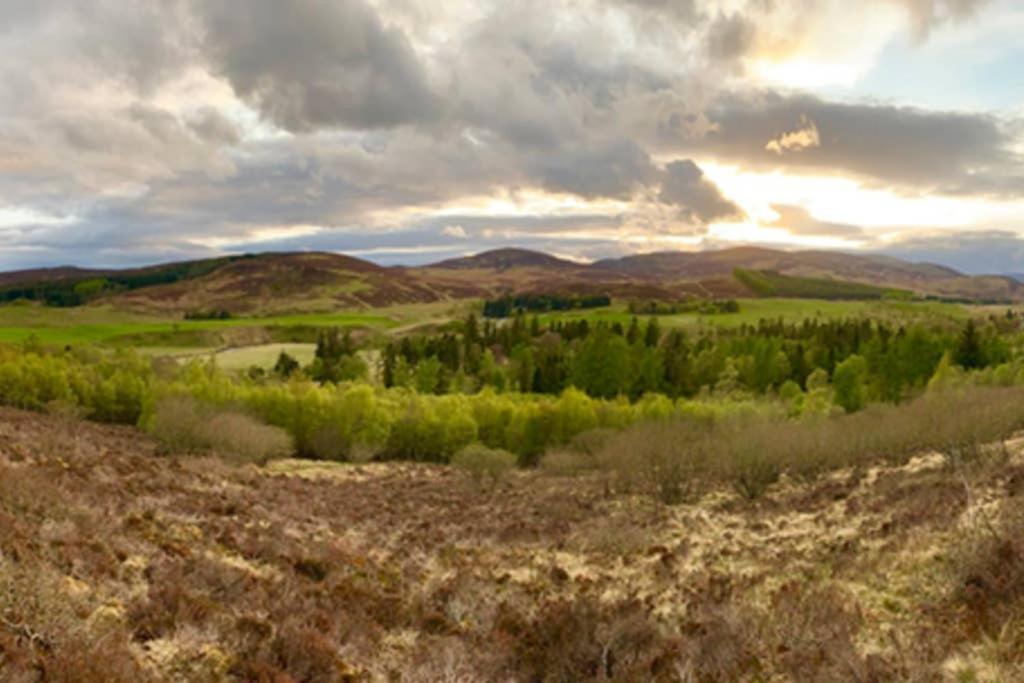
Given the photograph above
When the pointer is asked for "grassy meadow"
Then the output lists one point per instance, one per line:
(109, 327)
(790, 310)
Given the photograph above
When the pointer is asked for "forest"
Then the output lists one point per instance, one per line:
(521, 385)
(878, 360)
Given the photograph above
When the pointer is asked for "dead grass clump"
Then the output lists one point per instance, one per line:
(616, 535)
(182, 425)
(43, 635)
(812, 632)
(987, 565)
(585, 640)
(720, 643)
(487, 466)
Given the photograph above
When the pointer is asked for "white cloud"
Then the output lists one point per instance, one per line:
(804, 137)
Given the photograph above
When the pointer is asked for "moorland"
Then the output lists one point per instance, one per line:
(736, 465)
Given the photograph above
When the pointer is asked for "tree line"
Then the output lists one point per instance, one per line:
(880, 360)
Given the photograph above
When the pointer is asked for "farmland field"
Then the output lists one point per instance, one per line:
(109, 327)
(790, 310)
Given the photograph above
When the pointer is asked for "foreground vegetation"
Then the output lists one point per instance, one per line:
(836, 499)
(119, 563)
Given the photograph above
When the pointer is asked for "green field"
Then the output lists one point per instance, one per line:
(753, 310)
(106, 326)
(162, 336)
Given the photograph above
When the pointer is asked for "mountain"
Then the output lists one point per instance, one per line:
(877, 270)
(40, 275)
(507, 259)
(318, 281)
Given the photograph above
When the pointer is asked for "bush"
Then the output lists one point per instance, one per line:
(177, 424)
(182, 425)
(244, 439)
(485, 465)
(755, 462)
(670, 460)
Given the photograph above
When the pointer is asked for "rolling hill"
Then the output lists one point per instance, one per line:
(316, 281)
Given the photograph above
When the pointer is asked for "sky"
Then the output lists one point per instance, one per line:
(407, 131)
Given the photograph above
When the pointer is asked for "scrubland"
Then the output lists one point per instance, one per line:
(878, 546)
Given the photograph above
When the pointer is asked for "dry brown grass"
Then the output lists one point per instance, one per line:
(119, 564)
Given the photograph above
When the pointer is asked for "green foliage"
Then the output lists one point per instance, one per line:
(286, 365)
(848, 383)
(602, 365)
(509, 305)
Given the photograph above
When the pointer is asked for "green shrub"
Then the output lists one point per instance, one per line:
(483, 464)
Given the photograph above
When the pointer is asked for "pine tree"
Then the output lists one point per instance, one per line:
(968, 352)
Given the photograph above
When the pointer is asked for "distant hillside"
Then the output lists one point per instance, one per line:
(315, 281)
(69, 286)
(277, 283)
(771, 284)
(505, 259)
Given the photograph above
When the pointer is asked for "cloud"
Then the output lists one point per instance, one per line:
(921, 150)
(453, 231)
(317, 63)
(927, 14)
(796, 220)
(976, 252)
(181, 123)
(730, 37)
(804, 137)
(685, 186)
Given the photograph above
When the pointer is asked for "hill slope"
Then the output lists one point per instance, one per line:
(314, 281)
(118, 564)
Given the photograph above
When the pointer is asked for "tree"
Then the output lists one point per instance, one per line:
(633, 333)
(652, 335)
(848, 383)
(968, 351)
(286, 366)
(602, 364)
(388, 362)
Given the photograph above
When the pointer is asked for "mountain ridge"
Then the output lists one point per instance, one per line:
(316, 280)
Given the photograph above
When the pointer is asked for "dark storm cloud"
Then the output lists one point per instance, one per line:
(614, 169)
(312, 63)
(685, 186)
